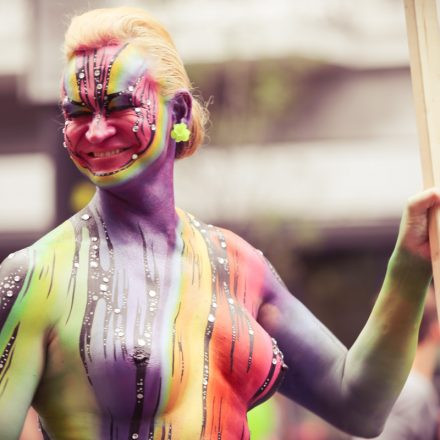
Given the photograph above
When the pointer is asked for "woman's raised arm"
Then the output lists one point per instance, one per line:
(355, 389)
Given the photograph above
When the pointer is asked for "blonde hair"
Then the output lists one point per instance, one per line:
(101, 27)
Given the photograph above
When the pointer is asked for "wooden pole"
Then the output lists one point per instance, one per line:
(424, 50)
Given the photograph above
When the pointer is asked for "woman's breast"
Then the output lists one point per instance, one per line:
(202, 367)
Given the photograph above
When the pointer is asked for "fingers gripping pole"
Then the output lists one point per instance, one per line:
(422, 20)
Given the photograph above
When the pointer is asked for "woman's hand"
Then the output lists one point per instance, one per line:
(413, 233)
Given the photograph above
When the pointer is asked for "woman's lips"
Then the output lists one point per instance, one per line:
(104, 161)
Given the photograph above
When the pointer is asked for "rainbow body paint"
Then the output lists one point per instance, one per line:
(143, 342)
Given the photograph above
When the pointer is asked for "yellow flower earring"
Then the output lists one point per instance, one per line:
(180, 132)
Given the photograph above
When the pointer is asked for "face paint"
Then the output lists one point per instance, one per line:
(116, 118)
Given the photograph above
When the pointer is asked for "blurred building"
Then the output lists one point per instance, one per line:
(311, 107)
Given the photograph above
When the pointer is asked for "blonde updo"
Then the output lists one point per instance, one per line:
(101, 27)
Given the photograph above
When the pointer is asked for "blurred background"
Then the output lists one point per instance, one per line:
(312, 149)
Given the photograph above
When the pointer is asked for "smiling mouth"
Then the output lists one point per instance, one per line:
(110, 153)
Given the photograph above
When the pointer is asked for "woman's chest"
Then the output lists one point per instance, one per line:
(158, 332)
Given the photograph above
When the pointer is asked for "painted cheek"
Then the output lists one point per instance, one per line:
(73, 132)
(143, 129)
(134, 127)
(71, 135)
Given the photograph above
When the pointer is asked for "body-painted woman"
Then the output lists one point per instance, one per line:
(135, 320)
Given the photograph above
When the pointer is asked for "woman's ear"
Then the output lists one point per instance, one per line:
(181, 105)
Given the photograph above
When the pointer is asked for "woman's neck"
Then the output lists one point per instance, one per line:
(145, 202)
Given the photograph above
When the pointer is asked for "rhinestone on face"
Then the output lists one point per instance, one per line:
(214, 305)
(134, 436)
(152, 293)
(97, 72)
(99, 86)
(141, 342)
(9, 293)
(223, 244)
(81, 75)
(137, 110)
(140, 396)
(251, 332)
(94, 238)
(135, 128)
(230, 301)
(85, 216)
(130, 89)
(93, 264)
(117, 311)
(95, 297)
(64, 145)
(221, 260)
(76, 264)
(211, 318)
(103, 287)
(153, 127)
(134, 156)
(148, 102)
(17, 278)
(105, 279)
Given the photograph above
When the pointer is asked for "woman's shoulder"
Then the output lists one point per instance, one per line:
(229, 241)
(30, 276)
(51, 242)
(56, 237)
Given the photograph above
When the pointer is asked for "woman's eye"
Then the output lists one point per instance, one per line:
(74, 110)
(79, 113)
(119, 102)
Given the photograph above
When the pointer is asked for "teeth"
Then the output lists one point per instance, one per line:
(107, 153)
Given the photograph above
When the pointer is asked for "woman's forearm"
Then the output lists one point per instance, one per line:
(380, 359)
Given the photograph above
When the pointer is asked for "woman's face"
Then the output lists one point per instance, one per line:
(116, 119)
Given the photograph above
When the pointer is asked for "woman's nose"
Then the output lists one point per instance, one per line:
(99, 129)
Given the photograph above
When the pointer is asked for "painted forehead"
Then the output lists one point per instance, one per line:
(105, 71)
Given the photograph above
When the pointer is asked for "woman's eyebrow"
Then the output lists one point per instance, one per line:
(69, 105)
(123, 93)
(71, 102)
